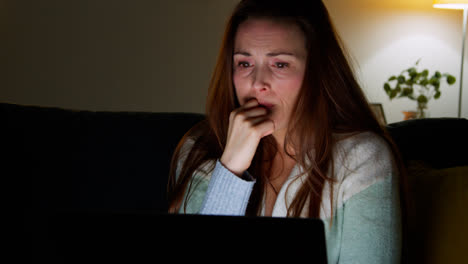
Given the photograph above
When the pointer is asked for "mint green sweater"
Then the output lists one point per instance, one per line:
(366, 224)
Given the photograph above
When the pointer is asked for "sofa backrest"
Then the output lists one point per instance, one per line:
(66, 158)
(84, 159)
(61, 158)
(435, 141)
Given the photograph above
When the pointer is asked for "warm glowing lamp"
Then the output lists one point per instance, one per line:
(451, 4)
(457, 4)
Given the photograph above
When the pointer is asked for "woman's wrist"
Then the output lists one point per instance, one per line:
(226, 164)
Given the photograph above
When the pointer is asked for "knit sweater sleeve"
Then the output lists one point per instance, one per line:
(371, 226)
(227, 194)
(216, 191)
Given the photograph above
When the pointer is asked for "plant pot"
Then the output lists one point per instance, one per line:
(420, 112)
(409, 115)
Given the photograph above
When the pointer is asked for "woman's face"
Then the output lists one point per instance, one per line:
(269, 64)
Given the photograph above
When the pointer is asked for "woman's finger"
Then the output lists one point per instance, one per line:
(255, 111)
(250, 103)
(265, 128)
(262, 125)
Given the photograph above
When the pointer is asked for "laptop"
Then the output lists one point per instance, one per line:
(142, 237)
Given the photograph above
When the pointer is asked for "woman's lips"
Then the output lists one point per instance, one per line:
(267, 105)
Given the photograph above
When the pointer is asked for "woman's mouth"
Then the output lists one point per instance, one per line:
(267, 105)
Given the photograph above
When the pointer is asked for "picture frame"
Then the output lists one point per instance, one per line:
(379, 112)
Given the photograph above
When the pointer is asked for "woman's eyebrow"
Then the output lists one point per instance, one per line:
(270, 54)
(273, 54)
(242, 53)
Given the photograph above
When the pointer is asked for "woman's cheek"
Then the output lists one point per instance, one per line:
(286, 74)
(292, 81)
(240, 86)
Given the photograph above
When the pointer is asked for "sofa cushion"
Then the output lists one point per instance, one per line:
(62, 158)
(436, 141)
(439, 216)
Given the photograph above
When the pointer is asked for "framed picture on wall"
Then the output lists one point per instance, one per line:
(378, 110)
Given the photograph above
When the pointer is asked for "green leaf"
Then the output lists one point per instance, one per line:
(438, 75)
(407, 91)
(398, 88)
(435, 82)
(392, 78)
(425, 73)
(424, 82)
(417, 77)
(393, 94)
(451, 79)
(387, 87)
(401, 79)
(422, 99)
(437, 95)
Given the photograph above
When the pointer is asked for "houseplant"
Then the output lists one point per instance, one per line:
(418, 86)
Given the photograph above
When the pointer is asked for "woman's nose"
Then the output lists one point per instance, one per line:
(261, 79)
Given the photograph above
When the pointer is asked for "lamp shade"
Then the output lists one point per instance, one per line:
(451, 4)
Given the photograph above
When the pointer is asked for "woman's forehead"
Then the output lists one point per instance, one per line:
(269, 35)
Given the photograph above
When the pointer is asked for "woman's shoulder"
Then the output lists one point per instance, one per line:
(363, 147)
(365, 142)
(362, 160)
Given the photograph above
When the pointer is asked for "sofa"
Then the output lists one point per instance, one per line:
(63, 159)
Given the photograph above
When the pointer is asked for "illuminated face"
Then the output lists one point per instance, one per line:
(269, 64)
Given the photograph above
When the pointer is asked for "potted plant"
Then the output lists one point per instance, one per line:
(418, 86)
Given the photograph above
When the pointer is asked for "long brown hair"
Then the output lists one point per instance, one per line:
(330, 102)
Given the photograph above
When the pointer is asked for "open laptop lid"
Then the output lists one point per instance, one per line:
(78, 236)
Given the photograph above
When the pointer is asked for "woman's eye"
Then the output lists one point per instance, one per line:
(243, 64)
(281, 65)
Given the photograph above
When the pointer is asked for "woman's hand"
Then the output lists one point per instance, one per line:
(247, 125)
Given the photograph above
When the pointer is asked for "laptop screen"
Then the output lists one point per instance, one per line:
(81, 236)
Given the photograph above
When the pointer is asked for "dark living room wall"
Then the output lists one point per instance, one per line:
(116, 55)
(158, 55)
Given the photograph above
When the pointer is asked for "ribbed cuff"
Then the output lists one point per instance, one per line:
(227, 194)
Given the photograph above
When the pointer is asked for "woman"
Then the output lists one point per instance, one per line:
(288, 132)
